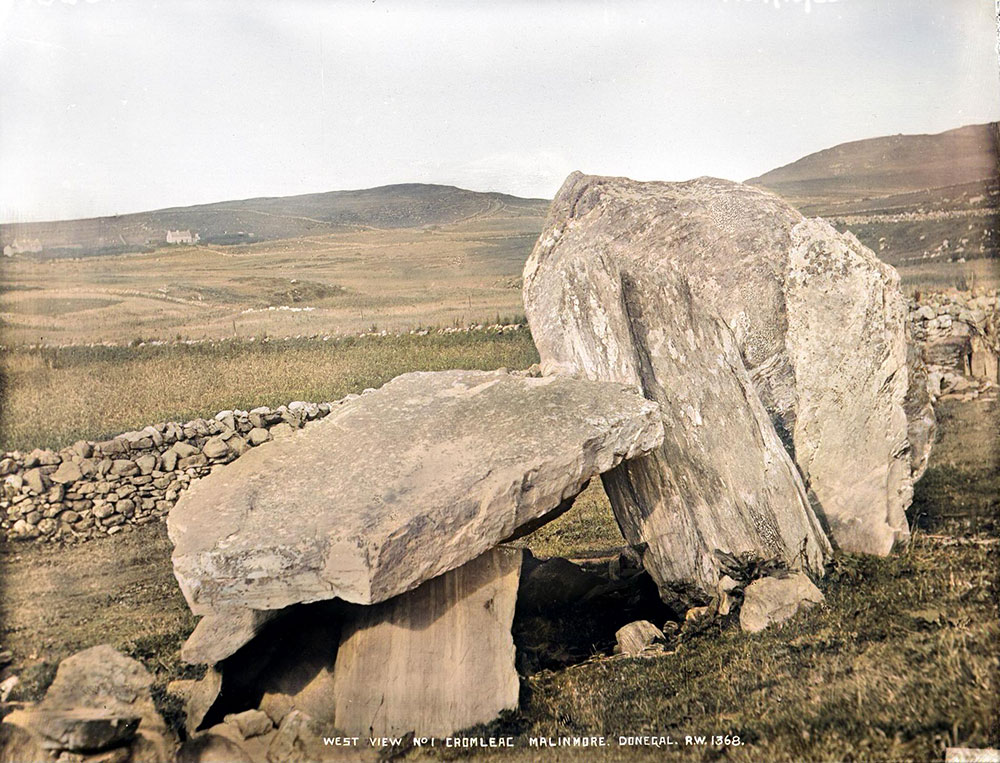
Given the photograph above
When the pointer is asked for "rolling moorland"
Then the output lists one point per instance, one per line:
(398, 258)
(872, 675)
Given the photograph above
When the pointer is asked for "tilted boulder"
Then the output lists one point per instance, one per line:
(602, 306)
(816, 317)
(399, 486)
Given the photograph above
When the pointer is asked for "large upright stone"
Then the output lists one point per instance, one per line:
(818, 320)
(399, 486)
(435, 660)
(721, 480)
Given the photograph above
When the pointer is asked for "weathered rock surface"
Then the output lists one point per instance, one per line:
(636, 636)
(435, 660)
(198, 697)
(83, 729)
(817, 320)
(398, 486)
(99, 699)
(602, 302)
(221, 635)
(772, 600)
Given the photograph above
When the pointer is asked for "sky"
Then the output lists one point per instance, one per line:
(114, 106)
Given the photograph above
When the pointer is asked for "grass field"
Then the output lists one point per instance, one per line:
(899, 663)
(335, 283)
(55, 397)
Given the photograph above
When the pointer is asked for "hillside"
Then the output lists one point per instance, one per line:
(888, 166)
(411, 205)
(918, 200)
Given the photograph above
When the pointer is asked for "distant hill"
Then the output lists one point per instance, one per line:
(263, 219)
(909, 197)
(888, 166)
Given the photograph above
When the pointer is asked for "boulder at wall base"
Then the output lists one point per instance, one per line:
(816, 318)
(398, 486)
(722, 479)
(772, 600)
(435, 660)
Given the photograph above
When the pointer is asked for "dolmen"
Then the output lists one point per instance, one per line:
(388, 516)
(735, 373)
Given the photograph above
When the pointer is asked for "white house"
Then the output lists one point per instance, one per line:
(182, 237)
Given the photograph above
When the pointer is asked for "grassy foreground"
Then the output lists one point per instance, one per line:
(902, 661)
(53, 397)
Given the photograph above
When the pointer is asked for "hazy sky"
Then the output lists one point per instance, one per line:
(126, 105)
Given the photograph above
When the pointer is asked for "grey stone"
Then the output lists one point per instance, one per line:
(399, 486)
(67, 472)
(146, 463)
(817, 319)
(251, 723)
(79, 729)
(102, 678)
(198, 697)
(220, 635)
(282, 429)
(258, 436)
(184, 449)
(637, 636)
(169, 460)
(772, 600)
(124, 467)
(435, 660)
(35, 481)
(601, 304)
(215, 448)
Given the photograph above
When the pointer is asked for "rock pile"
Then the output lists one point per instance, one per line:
(99, 707)
(960, 335)
(98, 488)
(395, 504)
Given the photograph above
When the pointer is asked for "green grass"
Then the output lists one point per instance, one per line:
(53, 397)
(899, 663)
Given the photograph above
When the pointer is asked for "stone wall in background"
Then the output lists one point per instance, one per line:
(960, 334)
(92, 489)
(101, 488)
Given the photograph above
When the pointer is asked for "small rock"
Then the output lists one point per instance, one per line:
(7, 686)
(198, 697)
(251, 723)
(215, 448)
(66, 473)
(124, 467)
(146, 463)
(258, 436)
(637, 636)
(83, 448)
(283, 429)
(770, 601)
(34, 480)
(184, 449)
(82, 729)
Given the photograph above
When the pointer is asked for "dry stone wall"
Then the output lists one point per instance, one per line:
(92, 489)
(960, 336)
